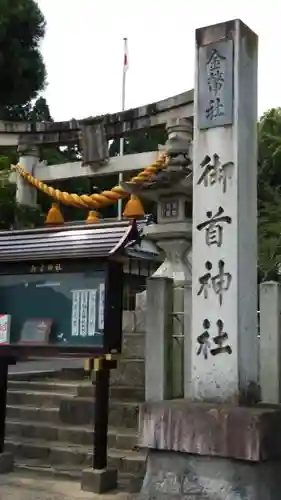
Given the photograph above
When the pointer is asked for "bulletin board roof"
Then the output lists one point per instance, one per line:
(71, 241)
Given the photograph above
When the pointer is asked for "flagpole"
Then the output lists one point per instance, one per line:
(121, 147)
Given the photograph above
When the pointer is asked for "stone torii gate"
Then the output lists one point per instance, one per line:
(93, 134)
(175, 114)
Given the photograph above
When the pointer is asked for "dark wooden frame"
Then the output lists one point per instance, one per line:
(112, 311)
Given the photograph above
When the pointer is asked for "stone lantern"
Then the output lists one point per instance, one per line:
(172, 190)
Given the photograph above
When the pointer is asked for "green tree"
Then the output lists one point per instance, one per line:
(269, 194)
(22, 70)
(140, 143)
(40, 112)
(11, 213)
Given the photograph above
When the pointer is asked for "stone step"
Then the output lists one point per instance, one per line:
(130, 372)
(62, 374)
(133, 348)
(121, 393)
(63, 454)
(80, 388)
(80, 411)
(117, 438)
(50, 386)
(38, 469)
(31, 413)
(36, 398)
(76, 411)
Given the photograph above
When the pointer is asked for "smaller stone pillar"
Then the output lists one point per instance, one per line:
(29, 156)
(178, 343)
(158, 339)
(270, 342)
(187, 370)
(173, 235)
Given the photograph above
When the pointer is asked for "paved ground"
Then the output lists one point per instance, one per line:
(16, 486)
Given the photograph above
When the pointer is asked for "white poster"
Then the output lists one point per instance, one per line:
(83, 327)
(92, 313)
(101, 306)
(83, 313)
(75, 313)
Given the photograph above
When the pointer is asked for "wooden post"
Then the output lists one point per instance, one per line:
(6, 458)
(99, 478)
(101, 418)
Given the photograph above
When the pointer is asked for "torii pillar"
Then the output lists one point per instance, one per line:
(28, 158)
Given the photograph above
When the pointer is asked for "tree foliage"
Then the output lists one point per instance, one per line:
(11, 213)
(139, 143)
(269, 194)
(22, 70)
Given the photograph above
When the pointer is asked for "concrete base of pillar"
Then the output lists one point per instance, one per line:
(181, 476)
(202, 451)
(6, 462)
(99, 481)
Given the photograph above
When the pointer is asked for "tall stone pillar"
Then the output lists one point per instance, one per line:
(224, 260)
(28, 158)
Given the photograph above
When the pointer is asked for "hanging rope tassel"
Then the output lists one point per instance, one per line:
(134, 208)
(93, 217)
(54, 215)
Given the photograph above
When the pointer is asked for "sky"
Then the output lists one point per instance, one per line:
(83, 50)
